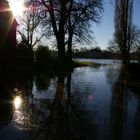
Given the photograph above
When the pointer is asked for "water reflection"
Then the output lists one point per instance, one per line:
(6, 112)
(124, 121)
(42, 81)
(66, 120)
(118, 108)
(24, 117)
(6, 107)
(12, 113)
(18, 102)
(136, 132)
(87, 103)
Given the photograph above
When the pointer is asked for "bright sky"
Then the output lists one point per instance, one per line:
(17, 7)
(104, 31)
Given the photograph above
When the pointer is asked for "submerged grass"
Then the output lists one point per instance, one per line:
(87, 64)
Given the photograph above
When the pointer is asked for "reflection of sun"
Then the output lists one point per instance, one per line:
(17, 7)
(17, 102)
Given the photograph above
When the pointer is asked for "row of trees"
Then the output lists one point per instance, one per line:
(95, 53)
(65, 21)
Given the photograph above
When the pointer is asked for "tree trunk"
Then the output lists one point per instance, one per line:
(61, 51)
(126, 58)
(61, 48)
(70, 47)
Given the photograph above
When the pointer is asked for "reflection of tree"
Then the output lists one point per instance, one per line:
(61, 117)
(118, 107)
(42, 81)
(112, 73)
(66, 120)
(6, 107)
(136, 134)
(56, 118)
(97, 66)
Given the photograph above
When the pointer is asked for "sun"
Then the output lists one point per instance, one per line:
(17, 7)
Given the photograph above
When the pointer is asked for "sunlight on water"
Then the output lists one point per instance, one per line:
(21, 118)
(17, 102)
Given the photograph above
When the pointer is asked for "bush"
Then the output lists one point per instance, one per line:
(24, 54)
(43, 56)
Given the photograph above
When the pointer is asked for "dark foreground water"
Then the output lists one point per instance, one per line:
(90, 103)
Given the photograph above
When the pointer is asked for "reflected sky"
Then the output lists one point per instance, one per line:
(89, 103)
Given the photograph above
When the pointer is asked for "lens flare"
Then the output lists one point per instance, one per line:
(17, 7)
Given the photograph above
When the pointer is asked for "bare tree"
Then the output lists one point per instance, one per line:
(70, 18)
(124, 27)
(113, 47)
(81, 15)
(30, 24)
(57, 16)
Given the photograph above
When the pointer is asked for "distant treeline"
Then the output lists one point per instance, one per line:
(102, 54)
(95, 53)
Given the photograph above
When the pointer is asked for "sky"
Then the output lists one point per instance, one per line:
(104, 31)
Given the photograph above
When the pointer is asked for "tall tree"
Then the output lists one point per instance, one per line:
(124, 27)
(57, 12)
(67, 17)
(81, 15)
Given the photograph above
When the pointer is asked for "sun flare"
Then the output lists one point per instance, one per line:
(17, 7)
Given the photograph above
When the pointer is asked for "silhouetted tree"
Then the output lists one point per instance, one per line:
(43, 56)
(57, 16)
(81, 14)
(113, 47)
(30, 24)
(24, 53)
(124, 27)
(134, 42)
(68, 18)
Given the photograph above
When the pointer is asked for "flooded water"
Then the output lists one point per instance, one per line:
(92, 102)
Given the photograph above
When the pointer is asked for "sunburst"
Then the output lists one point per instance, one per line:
(17, 7)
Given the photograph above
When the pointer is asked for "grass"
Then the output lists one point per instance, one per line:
(87, 64)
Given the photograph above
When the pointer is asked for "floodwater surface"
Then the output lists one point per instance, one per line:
(90, 103)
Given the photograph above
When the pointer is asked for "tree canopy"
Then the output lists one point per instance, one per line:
(69, 19)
